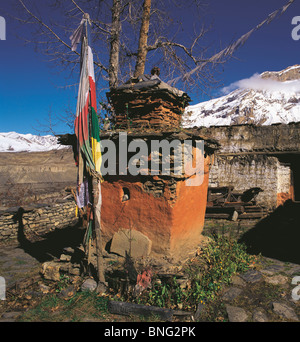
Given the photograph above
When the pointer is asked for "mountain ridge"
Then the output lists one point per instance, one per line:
(17, 142)
(269, 98)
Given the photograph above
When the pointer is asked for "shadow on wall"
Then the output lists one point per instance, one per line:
(278, 235)
(50, 245)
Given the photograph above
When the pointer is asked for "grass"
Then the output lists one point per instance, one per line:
(55, 309)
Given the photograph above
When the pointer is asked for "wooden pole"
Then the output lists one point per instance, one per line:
(97, 199)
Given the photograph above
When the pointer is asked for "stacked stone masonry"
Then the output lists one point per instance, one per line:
(243, 173)
(258, 156)
(36, 220)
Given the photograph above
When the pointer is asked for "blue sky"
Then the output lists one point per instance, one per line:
(31, 87)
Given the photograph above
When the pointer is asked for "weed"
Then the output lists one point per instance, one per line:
(207, 274)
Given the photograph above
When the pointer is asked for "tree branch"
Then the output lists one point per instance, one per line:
(55, 35)
(230, 50)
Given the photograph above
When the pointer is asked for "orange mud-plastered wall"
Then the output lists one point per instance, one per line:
(171, 225)
(151, 216)
(189, 213)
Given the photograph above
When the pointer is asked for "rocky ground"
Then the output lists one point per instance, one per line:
(263, 294)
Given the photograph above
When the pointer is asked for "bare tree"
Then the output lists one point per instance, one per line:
(115, 43)
(143, 40)
(128, 35)
(120, 30)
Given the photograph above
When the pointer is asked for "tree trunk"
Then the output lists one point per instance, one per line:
(115, 44)
(143, 40)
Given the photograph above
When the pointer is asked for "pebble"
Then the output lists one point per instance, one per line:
(89, 285)
(68, 292)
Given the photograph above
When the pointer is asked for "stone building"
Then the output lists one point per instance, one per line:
(258, 156)
(160, 207)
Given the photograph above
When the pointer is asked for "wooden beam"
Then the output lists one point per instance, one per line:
(128, 309)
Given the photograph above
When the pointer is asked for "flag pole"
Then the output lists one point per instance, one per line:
(88, 137)
(96, 205)
(97, 201)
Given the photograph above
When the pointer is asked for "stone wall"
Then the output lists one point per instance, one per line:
(251, 138)
(36, 220)
(243, 173)
(257, 156)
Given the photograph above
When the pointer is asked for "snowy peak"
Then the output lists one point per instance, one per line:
(265, 99)
(288, 74)
(15, 142)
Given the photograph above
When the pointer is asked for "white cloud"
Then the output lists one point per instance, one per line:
(255, 82)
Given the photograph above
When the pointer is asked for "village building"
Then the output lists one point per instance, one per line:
(252, 156)
(157, 207)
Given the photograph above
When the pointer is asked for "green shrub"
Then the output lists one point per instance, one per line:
(207, 273)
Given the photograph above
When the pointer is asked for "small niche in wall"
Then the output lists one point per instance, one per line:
(125, 194)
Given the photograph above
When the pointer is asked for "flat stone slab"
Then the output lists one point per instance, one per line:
(277, 279)
(238, 281)
(294, 270)
(260, 316)
(232, 293)
(272, 269)
(252, 276)
(130, 242)
(285, 311)
(236, 314)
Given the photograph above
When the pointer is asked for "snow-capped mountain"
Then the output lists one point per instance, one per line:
(265, 99)
(15, 142)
